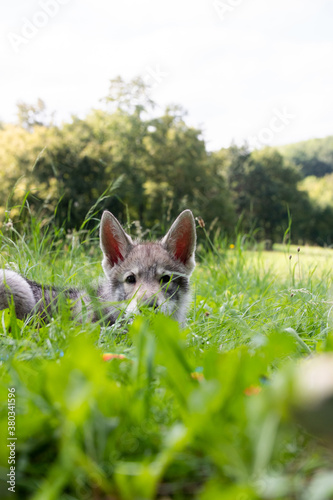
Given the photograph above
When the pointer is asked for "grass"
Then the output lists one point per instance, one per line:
(207, 412)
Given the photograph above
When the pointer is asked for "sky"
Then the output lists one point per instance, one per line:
(258, 71)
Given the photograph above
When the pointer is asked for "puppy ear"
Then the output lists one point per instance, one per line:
(115, 243)
(180, 240)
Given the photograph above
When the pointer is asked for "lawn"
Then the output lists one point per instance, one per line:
(218, 410)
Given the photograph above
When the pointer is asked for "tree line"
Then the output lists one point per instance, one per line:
(146, 167)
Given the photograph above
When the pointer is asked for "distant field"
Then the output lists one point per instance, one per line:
(210, 412)
(309, 256)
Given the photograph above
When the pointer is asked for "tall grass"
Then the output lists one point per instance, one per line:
(204, 412)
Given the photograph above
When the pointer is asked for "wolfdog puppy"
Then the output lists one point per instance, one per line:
(137, 274)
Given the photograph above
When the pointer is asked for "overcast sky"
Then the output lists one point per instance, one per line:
(255, 70)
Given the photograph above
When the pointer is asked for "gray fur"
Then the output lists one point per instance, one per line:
(133, 271)
(30, 297)
(12, 284)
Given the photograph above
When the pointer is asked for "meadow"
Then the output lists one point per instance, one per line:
(212, 411)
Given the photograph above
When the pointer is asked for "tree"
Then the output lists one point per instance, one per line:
(312, 157)
(32, 115)
(265, 192)
(160, 166)
(129, 97)
(182, 174)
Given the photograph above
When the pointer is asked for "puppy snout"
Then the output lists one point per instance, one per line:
(149, 302)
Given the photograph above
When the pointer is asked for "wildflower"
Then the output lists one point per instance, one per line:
(252, 390)
(108, 355)
(232, 246)
(198, 374)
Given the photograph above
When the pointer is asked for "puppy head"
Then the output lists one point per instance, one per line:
(150, 274)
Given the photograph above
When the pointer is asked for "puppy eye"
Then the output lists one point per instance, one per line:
(165, 279)
(130, 279)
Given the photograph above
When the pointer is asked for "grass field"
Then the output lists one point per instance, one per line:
(214, 411)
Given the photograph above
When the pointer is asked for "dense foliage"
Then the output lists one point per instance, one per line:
(312, 157)
(147, 167)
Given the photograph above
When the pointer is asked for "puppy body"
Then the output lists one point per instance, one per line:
(137, 274)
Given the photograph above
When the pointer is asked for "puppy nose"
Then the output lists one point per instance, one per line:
(150, 302)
